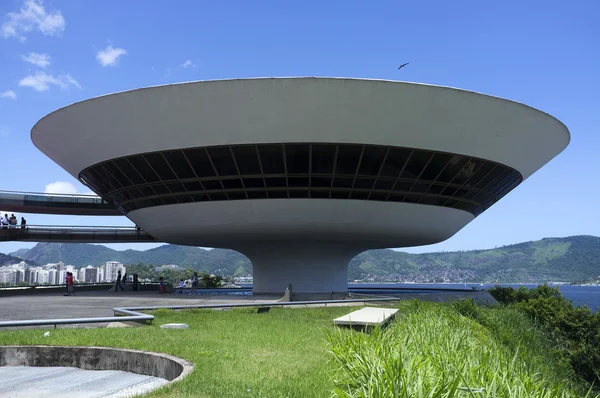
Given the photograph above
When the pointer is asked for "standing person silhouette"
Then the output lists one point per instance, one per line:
(118, 283)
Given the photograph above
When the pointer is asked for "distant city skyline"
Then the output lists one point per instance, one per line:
(70, 53)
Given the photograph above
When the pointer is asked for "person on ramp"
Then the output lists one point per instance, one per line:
(118, 283)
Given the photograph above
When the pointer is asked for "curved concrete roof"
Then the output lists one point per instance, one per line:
(303, 109)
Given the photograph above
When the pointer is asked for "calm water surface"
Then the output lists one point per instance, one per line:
(579, 295)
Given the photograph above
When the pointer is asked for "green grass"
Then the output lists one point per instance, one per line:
(431, 350)
(236, 353)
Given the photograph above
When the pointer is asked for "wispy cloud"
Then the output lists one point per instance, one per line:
(65, 187)
(188, 64)
(32, 16)
(110, 56)
(41, 81)
(9, 94)
(41, 60)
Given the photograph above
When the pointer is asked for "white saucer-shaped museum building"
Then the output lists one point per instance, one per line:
(300, 174)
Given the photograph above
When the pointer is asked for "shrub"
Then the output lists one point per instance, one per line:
(574, 331)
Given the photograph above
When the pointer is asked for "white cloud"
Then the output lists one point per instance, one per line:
(64, 187)
(188, 64)
(41, 81)
(9, 94)
(32, 16)
(41, 60)
(110, 56)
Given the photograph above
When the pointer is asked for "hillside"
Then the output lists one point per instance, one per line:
(6, 259)
(570, 259)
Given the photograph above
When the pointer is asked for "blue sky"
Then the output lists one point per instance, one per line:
(543, 53)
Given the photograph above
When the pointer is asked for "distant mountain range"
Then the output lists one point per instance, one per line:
(571, 259)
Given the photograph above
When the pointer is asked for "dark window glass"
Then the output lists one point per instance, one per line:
(466, 172)
(372, 160)
(436, 188)
(257, 195)
(436, 165)
(395, 162)
(193, 186)
(359, 195)
(303, 193)
(455, 164)
(236, 195)
(160, 166)
(487, 183)
(247, 159)
(378, 196)
(212, 184)
(175, 187)
(364, 183)
(347, 160)
(232, 184)
(110, 181)
(200, 197)
(431, 200)
(143, 168)
(319, 194)
(322, 158)
(342, 182)
(403, 186)
(161, 189)
(221, 158)
(419, 187)
(384, 184)
(416, 164)
(179, 164)
(184, 198)
(412, 198)
(271, 158)
(129, 171)
(156, 201)
(275, 182)
(298, 181)
(297, 156)
(116, 173)
(340, 195)
(320, 182)
(254, 183)
(147, 191)
(277, 194)
(216, 196)
(169, 200)
(200, 163)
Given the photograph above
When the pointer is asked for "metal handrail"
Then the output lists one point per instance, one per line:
(82, 195)
(88, 227)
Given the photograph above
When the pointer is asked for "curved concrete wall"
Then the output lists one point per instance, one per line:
(360, 223)
(300, 110)
(97, 358)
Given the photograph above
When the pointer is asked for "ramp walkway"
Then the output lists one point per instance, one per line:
(74, 234)
(55, 203)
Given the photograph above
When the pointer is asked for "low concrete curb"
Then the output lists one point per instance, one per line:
(98, 358)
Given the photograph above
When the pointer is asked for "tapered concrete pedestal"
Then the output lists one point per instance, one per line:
(312, 269)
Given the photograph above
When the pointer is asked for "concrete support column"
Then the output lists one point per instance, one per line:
(315, 268)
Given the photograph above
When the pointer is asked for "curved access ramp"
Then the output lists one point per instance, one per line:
(74, 234)
(55, 203)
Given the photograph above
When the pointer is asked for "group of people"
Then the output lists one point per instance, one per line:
(11, 222)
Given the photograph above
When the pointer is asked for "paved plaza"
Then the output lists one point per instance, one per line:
(101, 303)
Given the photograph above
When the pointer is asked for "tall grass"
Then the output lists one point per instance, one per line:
(434, 351)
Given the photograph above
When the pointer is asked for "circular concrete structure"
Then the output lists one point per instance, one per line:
(300, 174)
(86, 371)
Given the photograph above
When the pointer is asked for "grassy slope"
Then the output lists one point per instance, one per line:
(236, 353)
(284, 353)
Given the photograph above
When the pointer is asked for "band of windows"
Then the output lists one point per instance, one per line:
(291, 170)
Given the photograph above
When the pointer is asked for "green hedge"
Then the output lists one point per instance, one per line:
(574, 331)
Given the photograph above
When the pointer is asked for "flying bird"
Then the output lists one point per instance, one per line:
(402, 66)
